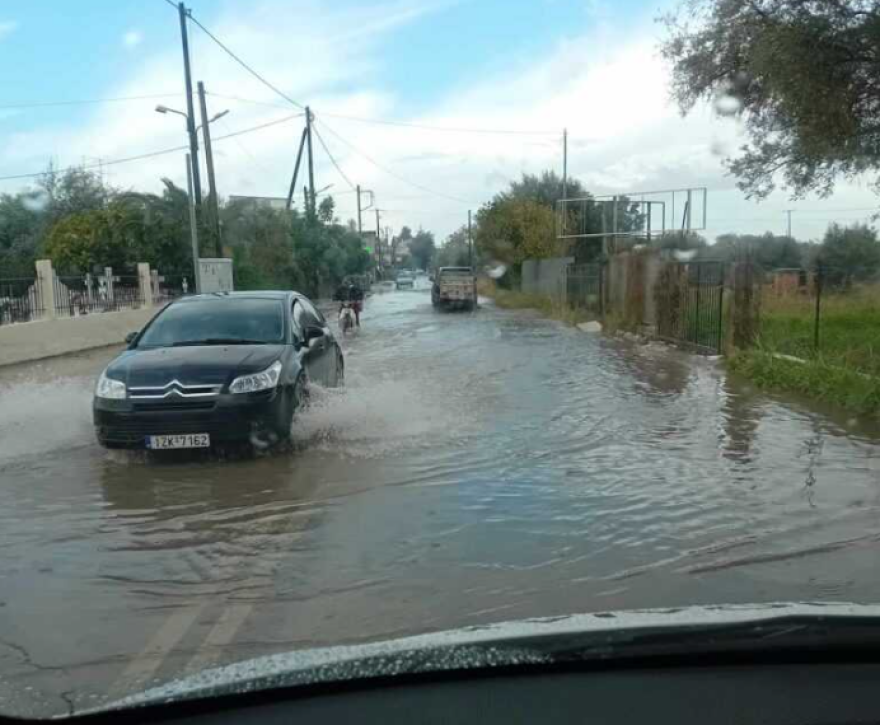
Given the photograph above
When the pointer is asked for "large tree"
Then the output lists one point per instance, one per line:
(849, 254)
(422, 248)
(804, 76)
(455, 251)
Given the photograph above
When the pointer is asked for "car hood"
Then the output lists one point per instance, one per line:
(191, 364)
(534, 642)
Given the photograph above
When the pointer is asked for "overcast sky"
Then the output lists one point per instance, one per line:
(536, 66)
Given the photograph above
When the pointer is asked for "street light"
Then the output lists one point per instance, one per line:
(209, 158)
(321, 191)
(164, 109)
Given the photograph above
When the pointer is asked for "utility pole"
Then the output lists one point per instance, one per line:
(193, 226)
(212, 182)
(470, 243)
(299, 155)
(378, 228)
(360, 225)
(190, 111)
(311, 162)
(789, 211)
(562, 211)
(565, 163)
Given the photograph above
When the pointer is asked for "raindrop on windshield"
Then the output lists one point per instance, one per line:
(497, 272)
(727, 105)
(35, 200)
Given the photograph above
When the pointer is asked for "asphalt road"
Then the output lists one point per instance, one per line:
(477, 468)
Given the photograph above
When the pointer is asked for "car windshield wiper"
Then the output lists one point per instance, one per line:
(220, 341)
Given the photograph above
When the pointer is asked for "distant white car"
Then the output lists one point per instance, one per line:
(405, 279)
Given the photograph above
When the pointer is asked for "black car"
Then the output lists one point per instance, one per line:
(216, 368)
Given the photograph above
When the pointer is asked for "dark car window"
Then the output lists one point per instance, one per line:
(313, 312)
(301, 316)
(228, 320)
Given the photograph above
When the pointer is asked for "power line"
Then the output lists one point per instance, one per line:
(87, 101)
(151, 154)
(247, 100)
(338, 168)
(243, 64)
(392, 173)
(450, 129)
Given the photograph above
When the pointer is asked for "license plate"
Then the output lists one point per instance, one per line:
(187, 440)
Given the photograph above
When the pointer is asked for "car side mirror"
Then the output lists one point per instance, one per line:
(129, 338)
(312, 332)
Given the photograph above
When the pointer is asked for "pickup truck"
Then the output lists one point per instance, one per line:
(454, 287)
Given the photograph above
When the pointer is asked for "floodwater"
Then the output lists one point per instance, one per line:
(477, 468)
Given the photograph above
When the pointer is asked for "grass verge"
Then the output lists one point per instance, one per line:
(816, 378)
(554, 309)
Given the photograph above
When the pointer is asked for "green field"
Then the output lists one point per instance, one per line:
(844, 369)
(849, 328)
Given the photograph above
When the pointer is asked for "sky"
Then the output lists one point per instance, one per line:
(482, 89)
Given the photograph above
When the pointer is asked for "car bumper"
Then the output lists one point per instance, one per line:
(226, 418)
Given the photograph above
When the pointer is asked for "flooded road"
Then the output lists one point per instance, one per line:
(477, 468)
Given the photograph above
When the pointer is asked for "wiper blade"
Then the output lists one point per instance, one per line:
(220, 341)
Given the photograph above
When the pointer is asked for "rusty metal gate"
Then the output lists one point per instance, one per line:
(690, 305)
(585, 287)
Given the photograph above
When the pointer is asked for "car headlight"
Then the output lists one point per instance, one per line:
(109, 388)
(264, 380)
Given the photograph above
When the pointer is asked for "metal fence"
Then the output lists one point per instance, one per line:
(170, 287)
(585, 287)
(20, 300)
(86, 294)
(690, 305)
(824, 312)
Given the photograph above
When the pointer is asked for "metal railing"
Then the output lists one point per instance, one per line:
(690, 305)
(170, 287)
(21, 300)
(585, 287)
(87, 294)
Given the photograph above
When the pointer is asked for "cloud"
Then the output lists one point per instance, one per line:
(7, 27)
(132, 39)
(608, 88)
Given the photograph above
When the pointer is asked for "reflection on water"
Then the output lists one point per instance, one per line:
(477, 467)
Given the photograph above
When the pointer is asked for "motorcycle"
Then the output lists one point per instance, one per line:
(346, 317)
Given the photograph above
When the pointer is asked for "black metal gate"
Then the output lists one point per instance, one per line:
(690, 305)
(585, 287)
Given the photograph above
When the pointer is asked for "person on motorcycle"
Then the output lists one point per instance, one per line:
(351, 293)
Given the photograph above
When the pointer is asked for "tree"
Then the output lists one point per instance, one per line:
(327, 210)
(83, 241)
(422, 248)
(849, 254)
(21, 225)
(72, 191)
(455, 251)
(803, 76)
(513, 230)
(768, 251)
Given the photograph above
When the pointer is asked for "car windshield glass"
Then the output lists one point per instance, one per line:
(217, 321)
(447, 314)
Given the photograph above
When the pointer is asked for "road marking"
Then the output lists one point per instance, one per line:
(221, 635)
(158, 648)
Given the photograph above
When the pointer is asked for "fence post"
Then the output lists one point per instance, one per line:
(145, 286)
(818, 308)
(46, 279)
(108, 281)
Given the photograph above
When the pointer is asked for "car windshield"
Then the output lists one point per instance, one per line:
(612, 344)
(229, 320)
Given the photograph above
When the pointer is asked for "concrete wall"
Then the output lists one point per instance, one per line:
(47, 338)
(545, 276)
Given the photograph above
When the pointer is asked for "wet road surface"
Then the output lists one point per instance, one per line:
(477, 468)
